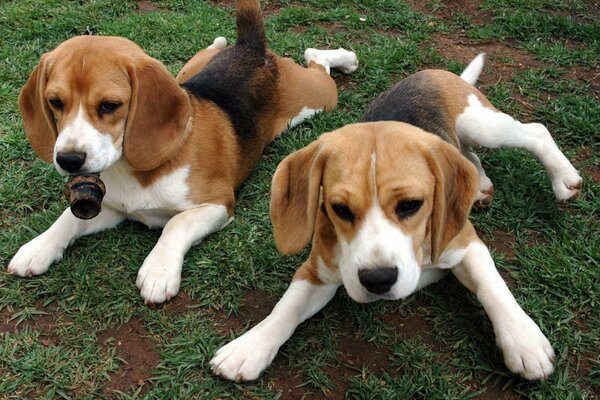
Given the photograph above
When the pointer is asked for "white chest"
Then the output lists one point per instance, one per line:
(152, 205)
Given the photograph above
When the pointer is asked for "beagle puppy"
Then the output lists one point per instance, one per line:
(387, 205)
(171, 152)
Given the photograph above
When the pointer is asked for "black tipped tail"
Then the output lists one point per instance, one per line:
(250, 26)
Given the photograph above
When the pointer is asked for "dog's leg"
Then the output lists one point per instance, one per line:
(526, 350)
(486, 187)
(247, 356)
(340, 59)
(482, 126)
(160, 275)
(35, 257)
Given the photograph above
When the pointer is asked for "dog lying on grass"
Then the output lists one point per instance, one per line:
(171, 152)
(387, 206)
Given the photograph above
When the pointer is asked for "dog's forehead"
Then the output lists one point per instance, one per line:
(382, 154)
(82, 62)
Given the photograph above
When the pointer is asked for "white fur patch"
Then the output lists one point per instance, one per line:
(481, 126)
(82, 137)
(328, 275)
(378, 243)
(153, 205)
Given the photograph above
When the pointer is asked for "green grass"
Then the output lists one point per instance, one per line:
(552, 262)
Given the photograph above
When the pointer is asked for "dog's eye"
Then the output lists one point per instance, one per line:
(343, 212)
(406, 208)
(56, 103)
(108, 107)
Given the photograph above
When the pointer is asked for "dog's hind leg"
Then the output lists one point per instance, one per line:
(305, 92)
(483, 125)
(340, 59)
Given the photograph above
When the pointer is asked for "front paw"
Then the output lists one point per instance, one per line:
(159, 277)
(245, 358)
(35, 257)
(526, 350)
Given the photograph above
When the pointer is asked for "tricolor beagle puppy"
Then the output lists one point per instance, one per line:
(171, 152)
(387, 205)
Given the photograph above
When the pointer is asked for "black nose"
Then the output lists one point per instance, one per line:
(70, 162)
(378, 280)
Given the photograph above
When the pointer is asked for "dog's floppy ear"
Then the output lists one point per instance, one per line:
(158, 114)
(456, 183)
(38, 119)
(295, 192)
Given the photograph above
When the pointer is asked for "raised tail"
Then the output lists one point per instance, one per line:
(473, 70)
(250, 26)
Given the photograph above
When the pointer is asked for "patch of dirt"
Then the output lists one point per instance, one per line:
(136, 350)
(502, 61)
(287, 382)
(501, 242)
(146, 6)
(592, 170)
(333, 27)
(271, 8)
(497, 391)
(450, 9)
(178, 305)
(256, 305)
(223, 3)
(44, 323)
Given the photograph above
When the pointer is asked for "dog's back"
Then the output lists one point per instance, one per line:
(428, 99)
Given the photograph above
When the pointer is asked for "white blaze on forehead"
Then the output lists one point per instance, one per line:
(374, 178)
(80, 136)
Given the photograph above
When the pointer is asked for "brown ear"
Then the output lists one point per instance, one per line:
(38, 119)
(158, 114)
(456, 183)
(295, 194)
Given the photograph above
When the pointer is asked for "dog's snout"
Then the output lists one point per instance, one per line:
(378, 280)
(70, 162)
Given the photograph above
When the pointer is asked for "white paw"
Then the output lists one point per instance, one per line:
(348, 63)
(567, 184)
(340, 59)
(526, 350)
(484, 198)
(35, 257)
(159, 277)
(244, 358)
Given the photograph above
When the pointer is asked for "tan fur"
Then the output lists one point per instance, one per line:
(411, 164)
(164, 128)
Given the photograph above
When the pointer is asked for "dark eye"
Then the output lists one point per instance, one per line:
(343, 212)
(108, 107)
(56, 103)
(406, 208)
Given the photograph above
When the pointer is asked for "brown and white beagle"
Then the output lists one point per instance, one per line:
(387, 205)
(171, 152)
